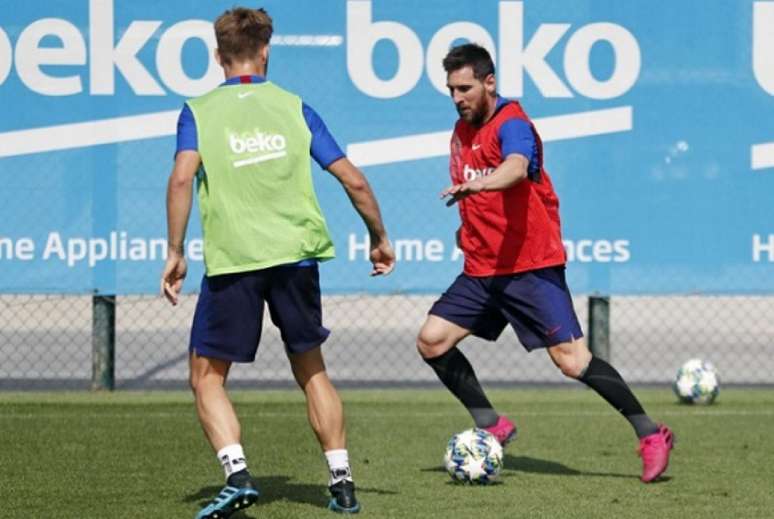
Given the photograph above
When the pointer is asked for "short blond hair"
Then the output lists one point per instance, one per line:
(241, 33)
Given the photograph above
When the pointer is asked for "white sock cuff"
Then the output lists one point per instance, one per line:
(232, 458)
(337, 458)
(338, 465)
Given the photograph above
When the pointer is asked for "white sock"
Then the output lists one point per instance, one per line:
(232, 458)
(338, 465)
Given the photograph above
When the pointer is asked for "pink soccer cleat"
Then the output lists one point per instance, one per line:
(654, 451)
(504, 430)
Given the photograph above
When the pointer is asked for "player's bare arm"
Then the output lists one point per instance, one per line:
(363, 200)
(179, 194)
(512, 171)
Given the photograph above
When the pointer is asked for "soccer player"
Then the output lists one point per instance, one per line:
(247, 143)
(514, 260)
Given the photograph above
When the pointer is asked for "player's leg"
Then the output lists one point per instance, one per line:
(326, 416)
(225, 329)
(460, 311)
(576, 361)
(539, 306)
(437, 345)
(213, 406)
(295, 307)
(324, 409)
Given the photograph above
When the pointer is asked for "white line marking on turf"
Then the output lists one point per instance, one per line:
(762, 156)
(301, 413)
(89, 133)
(436, 144)
(688, 411)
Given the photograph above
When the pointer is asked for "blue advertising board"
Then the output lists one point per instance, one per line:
(657, 117)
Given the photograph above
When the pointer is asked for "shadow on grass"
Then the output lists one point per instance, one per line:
(279, 488)
(537, 466)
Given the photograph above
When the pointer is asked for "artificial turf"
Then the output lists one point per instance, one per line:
(143, 455)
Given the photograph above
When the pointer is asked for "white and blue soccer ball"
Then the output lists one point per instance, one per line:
(696, 382)
(473, 456)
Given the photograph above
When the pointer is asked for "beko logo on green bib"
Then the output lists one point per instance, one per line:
(265, 146)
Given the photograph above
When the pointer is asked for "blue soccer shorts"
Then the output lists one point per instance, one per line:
(229, 313)
(537, 304)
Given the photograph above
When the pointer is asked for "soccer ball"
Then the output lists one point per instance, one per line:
(696, 382)
(473, 456)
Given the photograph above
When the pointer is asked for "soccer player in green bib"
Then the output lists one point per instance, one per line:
(248, 144)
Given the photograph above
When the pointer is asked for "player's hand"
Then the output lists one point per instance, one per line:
(459, 191)
(172, 278)
(382, 257)
(457, 236)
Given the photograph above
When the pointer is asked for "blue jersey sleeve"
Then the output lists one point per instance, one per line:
(516, 137)
(324, 149)
(186, 131)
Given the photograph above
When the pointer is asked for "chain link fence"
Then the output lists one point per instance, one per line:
(46, 342)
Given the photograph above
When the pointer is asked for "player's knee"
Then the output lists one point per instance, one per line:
(423, 347)
(429, 345)
(571, 367)
(306, 365)
(308, 376)
(571, 359)
(201, 380)
(194, 382)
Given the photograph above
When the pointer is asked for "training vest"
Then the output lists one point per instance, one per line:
(509, 231)
(256, 198)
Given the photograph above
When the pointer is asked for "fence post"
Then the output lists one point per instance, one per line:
(599, 326)
(103, 342)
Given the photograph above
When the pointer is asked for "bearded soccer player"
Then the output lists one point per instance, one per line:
(514, 260)
(248, 144)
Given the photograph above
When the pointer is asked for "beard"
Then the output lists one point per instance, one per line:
(474, 114)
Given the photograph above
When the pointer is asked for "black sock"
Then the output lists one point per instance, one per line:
(458, 376)
(605, 380)
(240, 479)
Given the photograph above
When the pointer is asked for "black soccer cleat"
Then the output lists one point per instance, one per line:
(343, 498)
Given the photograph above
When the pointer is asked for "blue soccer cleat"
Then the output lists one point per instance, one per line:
(229, 501)
(343, 498)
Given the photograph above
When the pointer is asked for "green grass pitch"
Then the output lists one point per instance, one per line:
(143, 455)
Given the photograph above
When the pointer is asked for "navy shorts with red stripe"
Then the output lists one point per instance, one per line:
(537, 304)
(228, 320)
